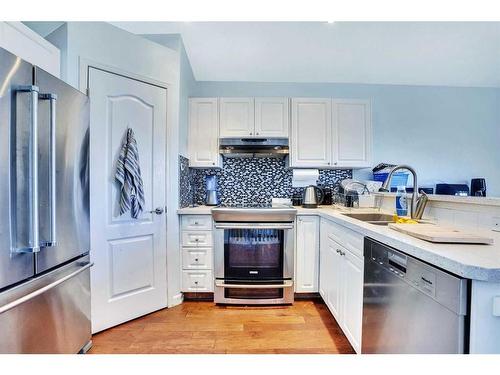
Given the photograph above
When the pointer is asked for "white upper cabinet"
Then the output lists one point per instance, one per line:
(203, 136)
(271, 117)
(236, 117)
(331, 133)
(307, 254)
(20, 40)
(352, 133)
(311, 132)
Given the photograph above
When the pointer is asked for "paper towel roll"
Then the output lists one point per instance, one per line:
(304, 177)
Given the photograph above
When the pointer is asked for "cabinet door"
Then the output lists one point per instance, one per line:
(324, 259)
(334, 279)
(271, 117)
(352, 298)
(307, 255)
(352, 133)
(236, 117)
(311, 132)
(203, 140)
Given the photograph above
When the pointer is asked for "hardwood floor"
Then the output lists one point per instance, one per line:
(202, 327)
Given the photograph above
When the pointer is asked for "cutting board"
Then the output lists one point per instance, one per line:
(440, 234)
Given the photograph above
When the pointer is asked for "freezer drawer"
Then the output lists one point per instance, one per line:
(49, 314)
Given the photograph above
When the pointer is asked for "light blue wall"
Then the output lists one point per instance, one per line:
(448, 134)
(187, 83)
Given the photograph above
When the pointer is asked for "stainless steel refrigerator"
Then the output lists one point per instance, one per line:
(44, 212)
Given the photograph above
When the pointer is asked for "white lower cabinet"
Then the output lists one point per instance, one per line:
(197, 258)
(335, 278)
(352, 298)
(341, 282)
(197, 253)
(307, 254)
(197, 281)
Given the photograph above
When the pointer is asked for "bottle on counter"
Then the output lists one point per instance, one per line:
(401, 201)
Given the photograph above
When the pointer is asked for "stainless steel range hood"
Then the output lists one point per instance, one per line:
(253, 148)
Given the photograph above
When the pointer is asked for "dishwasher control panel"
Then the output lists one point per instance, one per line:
(433, 282)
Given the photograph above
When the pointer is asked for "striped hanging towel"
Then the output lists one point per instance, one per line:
(128, 174)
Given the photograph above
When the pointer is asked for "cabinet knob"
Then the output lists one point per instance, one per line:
(328, 163)
(335, 163)
(196, 239)
(196, 282)
(250, 133)
(195, 223)
(257, 133)
(195, 259)
(213, 163)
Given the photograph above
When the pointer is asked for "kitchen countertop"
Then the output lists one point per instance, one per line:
(197, 210)
(477, 262)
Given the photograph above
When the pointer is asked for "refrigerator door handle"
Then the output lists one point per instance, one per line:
(30, 296)
(52, 240)
(34, 240)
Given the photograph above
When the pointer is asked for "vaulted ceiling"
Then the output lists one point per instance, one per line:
(413, 53)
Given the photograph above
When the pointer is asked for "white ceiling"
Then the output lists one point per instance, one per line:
(411, 53)
(414, 53)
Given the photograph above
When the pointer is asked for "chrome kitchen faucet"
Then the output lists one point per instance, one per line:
(417, 203)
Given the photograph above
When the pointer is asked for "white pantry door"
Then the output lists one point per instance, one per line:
(129, 277)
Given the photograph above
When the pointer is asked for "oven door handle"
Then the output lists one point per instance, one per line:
(253, 225)
(286, 284)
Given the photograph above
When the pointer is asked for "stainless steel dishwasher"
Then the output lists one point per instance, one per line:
(410, 306)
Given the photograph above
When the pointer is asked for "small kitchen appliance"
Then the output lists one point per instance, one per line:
(452, 189)
(478, 187)
(211, 199)
(313, 196)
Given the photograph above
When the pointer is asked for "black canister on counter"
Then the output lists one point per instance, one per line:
(328, 197)
(478, 187)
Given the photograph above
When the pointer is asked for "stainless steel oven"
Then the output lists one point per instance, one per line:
(254, 259)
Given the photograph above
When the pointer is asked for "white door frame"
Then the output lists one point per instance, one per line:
(174, 297)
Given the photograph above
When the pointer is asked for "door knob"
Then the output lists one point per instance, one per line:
(157, 210)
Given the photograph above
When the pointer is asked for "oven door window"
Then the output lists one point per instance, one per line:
(253, 254)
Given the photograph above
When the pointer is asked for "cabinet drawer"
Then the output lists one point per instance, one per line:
(200, 222)
(197, 258)
(346, 237)
(197, 281)
(197, 238)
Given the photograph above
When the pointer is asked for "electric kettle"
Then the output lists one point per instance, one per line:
(313, 196)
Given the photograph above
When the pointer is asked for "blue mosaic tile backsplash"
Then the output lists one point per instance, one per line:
(248, 181)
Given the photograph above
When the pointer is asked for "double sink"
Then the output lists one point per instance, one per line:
(372, 218)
